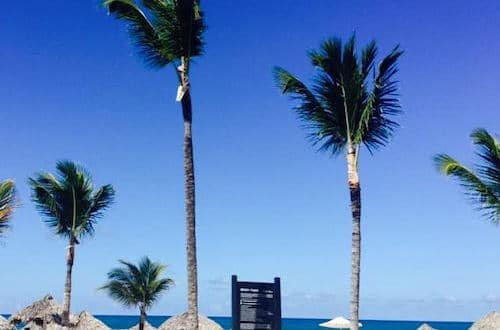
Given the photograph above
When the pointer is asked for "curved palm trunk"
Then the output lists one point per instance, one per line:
(355, 192)
(192, 267)
(142, 320)
(67, 286)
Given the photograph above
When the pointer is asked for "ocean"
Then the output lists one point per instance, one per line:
(125, 322)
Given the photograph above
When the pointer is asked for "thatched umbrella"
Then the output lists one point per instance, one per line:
(425, 326)
(489, 322)
(147, 326)
(179, 322)
(87, 321)
(4, 325)
(40, 313)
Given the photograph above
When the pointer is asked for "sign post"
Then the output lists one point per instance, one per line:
(256, 305)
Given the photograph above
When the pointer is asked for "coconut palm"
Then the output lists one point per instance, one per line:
(344, 110)
(481, 185)
(171, 32)
(137, 285)
(7, 203)
(70, 206)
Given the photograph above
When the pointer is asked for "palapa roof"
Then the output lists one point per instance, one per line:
(4, 325)
(48, 312)
(179, 322)
(425, 326)
(489, 322)
(45, 309)
(87, 321)
(147, 326)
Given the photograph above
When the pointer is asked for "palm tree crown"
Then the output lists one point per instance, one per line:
(342, 107)
(7, 203)
(68, 201)
(137, 285)
(482, 185)
(166, 31)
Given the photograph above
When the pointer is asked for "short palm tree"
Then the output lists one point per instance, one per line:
(171, 32)
(7, 203)
(71, 207)
(137, 285)
(343, 110)
(481, 185)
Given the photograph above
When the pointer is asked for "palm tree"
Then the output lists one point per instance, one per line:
(71, 207)
(171, 32)
(482, 186)
(137, 286)
(7, 203)
(344, 110)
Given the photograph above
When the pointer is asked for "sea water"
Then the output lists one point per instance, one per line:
(125, 322)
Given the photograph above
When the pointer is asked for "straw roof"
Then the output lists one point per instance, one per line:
(425, 326)
(46, 314)
(179, 322)
(45, 310)
(4, 325)
(87, 321)
(147, 326)
(489, 322)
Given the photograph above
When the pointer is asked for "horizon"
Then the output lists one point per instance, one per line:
(285, 318)
(73, 87)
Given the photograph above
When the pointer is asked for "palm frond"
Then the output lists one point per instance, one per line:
(338, 109)
(67, 201)
(376, 122)
(368, 55)
(310, 110)
(142, 32)
(489, 152)
(7, 203)
(135, 285)
(174, 28)
(478, 191)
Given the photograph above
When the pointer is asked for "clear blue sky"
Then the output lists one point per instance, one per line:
(71, 87)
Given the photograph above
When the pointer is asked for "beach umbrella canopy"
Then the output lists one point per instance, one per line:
(338, 323)
(179, 322)
(4, 325)
(425, 326)
(87, 321)
(489, 322)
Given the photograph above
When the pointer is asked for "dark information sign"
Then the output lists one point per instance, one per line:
(256, 305)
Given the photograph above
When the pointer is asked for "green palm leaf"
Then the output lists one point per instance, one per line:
(7, 203)
(136, 285)
(165, 31)
(67, 200)
(340, 109)
(483, 185)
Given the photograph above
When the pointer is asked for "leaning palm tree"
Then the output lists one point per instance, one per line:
(171, 32)
(7, 203)
(71, 207)
(482, 186)
(137, 285)
(344, 110)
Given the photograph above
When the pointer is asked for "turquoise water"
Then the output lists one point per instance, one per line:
(125, 322)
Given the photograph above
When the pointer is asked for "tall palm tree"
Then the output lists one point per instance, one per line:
(71, 207)
(7, 203)
(344, 110)
(137, 286)
(482, 186)
(171, 32)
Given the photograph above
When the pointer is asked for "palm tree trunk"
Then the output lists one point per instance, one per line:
(192, 267)
(67, 286)
(142, 320)
(355, 192)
